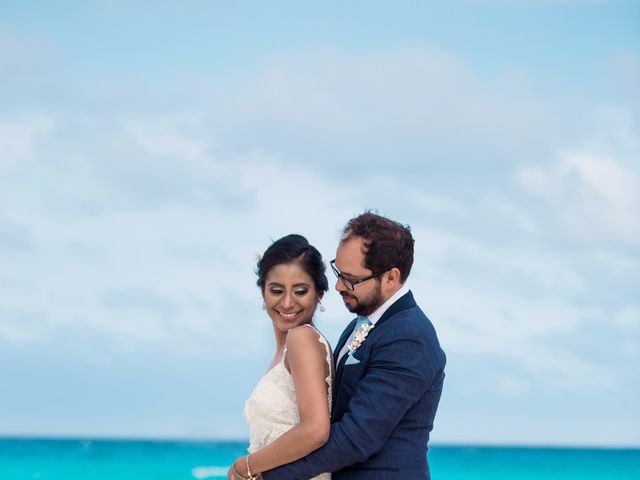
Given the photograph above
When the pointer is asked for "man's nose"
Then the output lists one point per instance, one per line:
(340, 286)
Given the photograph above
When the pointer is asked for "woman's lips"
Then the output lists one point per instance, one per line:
(288, 316)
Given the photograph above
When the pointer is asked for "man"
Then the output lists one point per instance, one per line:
(389, 364)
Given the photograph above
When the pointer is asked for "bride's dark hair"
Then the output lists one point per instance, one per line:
(293, 248)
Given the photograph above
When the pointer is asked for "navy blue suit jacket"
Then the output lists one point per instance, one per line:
(383, 406)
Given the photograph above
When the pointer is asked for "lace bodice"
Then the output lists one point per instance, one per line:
(272, 408)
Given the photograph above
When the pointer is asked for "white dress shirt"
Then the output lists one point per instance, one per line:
(377, 314)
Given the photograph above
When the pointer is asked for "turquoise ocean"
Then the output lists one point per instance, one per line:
(83, 459)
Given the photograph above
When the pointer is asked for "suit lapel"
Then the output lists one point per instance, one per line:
(343, 339)
(403, 303)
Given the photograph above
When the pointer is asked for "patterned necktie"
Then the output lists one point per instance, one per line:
(362, 321)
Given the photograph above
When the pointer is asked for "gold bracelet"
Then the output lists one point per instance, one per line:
(248, 469)
(237, 473)
(239, 476)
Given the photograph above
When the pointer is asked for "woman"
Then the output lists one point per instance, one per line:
(288, 412)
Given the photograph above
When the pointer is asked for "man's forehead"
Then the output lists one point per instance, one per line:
(350, 255)
(351, 245)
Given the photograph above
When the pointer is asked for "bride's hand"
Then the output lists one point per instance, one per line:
(239, 466)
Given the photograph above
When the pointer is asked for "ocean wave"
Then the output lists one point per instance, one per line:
(207, 472)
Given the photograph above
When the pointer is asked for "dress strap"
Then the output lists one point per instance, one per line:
(327, 349)
(321, 339)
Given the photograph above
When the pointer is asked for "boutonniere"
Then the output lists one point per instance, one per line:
(359, 337)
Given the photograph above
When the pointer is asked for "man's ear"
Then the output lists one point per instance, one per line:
(393, 277)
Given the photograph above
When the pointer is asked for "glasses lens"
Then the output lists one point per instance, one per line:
(348, 284)
(335, 270)
(337, 273)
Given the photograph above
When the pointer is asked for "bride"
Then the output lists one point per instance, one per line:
(289, 410)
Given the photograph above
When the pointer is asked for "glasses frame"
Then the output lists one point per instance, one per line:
(350, 284)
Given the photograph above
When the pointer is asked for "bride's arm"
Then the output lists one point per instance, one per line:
(306, 358)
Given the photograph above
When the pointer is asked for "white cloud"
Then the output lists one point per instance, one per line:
(19, 138)
(176, 271)
(592, 195)
(117, 267)
(134, 230)
(494, 307)
(413, 104)
(177, 135)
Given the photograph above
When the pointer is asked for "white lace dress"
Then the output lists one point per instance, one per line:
(272, 409)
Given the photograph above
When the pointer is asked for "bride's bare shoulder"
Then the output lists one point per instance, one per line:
(302, 335)
(305, 338)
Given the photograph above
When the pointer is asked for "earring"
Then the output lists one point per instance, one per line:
(322, 309)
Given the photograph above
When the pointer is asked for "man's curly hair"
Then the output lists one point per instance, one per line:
(387, 244)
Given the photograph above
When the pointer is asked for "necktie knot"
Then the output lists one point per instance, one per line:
(362, 321)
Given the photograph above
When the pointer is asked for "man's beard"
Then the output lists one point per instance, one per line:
(369, 305)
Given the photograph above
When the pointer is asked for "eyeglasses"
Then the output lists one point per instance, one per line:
(350, 284)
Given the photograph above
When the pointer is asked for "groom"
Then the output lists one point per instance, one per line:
(389, 364)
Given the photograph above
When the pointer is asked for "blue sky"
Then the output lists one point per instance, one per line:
(150, 150)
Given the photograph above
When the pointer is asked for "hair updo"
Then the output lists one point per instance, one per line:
(293, 248)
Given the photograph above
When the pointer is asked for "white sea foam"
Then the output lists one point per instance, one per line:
(207, 472)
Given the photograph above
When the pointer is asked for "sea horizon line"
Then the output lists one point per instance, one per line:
(177, 439)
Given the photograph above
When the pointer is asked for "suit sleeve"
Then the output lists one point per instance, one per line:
(398, 374)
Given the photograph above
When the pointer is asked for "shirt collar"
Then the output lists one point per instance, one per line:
(375, 316)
